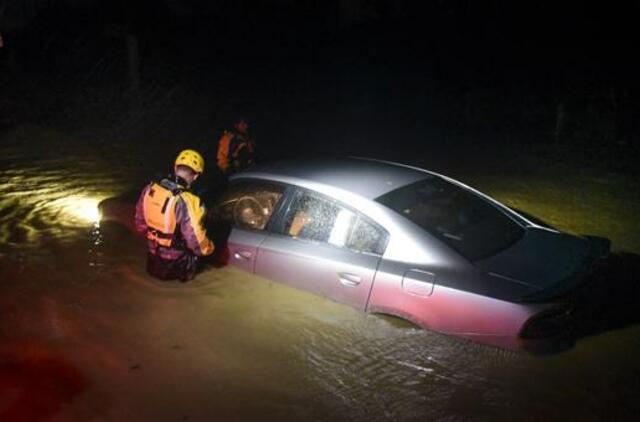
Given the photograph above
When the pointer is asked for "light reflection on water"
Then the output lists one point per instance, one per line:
(80, 210)
(46, 199)
(238, 345)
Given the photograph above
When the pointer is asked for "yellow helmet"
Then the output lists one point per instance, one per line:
(191, 159)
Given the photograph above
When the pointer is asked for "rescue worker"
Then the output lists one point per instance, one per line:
(236, 148)
(171, 218)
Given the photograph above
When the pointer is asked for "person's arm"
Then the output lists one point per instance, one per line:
(253, 153)
(242, 158)
(140, 221)
(189, 217)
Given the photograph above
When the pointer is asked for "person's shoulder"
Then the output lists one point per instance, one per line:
(147, 186)
(190, 197)
(228, 133)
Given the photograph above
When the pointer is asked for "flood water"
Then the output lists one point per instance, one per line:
(85, 334)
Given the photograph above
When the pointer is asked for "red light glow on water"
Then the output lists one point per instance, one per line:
(35, 382)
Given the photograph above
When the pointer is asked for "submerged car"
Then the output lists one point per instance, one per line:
(393, 239)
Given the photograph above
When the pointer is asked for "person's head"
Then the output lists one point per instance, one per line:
(189, 165)
(241, 124)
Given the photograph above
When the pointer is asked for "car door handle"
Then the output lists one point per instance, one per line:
(349, 279)
(243, 255)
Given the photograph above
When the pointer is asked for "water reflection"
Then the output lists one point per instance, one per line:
(50, 197)
(77, 209)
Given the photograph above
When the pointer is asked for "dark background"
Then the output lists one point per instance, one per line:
(404, 80)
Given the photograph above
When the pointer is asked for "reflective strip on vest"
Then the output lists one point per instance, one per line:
(159, 214)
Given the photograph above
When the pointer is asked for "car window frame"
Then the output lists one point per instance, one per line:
(296, 192)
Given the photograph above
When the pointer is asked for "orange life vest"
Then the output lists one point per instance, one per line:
(159, 213)
(223, 150)
(230, 146)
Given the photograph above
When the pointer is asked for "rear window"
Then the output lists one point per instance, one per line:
(465, 221)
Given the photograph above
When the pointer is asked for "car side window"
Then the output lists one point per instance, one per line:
(248, 205)
(366, 237)
(317, 219)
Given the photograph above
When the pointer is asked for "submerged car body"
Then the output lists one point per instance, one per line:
(393, 239)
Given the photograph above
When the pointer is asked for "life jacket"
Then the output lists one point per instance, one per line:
(159, 211)
(230, 148)
(223, 150)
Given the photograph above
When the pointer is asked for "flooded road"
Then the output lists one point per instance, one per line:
(85, 334)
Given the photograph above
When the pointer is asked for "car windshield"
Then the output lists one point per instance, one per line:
(465, 221)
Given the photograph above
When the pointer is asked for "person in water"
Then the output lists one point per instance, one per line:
(171, 218)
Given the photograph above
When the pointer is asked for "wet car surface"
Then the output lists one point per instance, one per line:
(398, 240)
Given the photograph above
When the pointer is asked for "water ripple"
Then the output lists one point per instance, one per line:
(45, 197)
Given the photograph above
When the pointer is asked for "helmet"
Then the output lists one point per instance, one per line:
(191, 159)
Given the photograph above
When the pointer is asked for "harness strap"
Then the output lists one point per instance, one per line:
(164, 206)
(159, 234)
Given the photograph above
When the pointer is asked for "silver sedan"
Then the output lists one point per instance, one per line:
(393, 239)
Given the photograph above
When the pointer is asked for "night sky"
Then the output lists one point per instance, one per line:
(365, 77)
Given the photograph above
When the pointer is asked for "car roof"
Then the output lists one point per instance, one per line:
(365, 177)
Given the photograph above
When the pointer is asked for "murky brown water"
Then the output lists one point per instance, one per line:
(85, 334)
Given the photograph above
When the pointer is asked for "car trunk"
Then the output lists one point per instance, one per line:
(543, 264)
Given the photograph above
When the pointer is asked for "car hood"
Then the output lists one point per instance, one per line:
(543, 264)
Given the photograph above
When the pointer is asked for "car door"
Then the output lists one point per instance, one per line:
(246, 210)
(323, 247)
